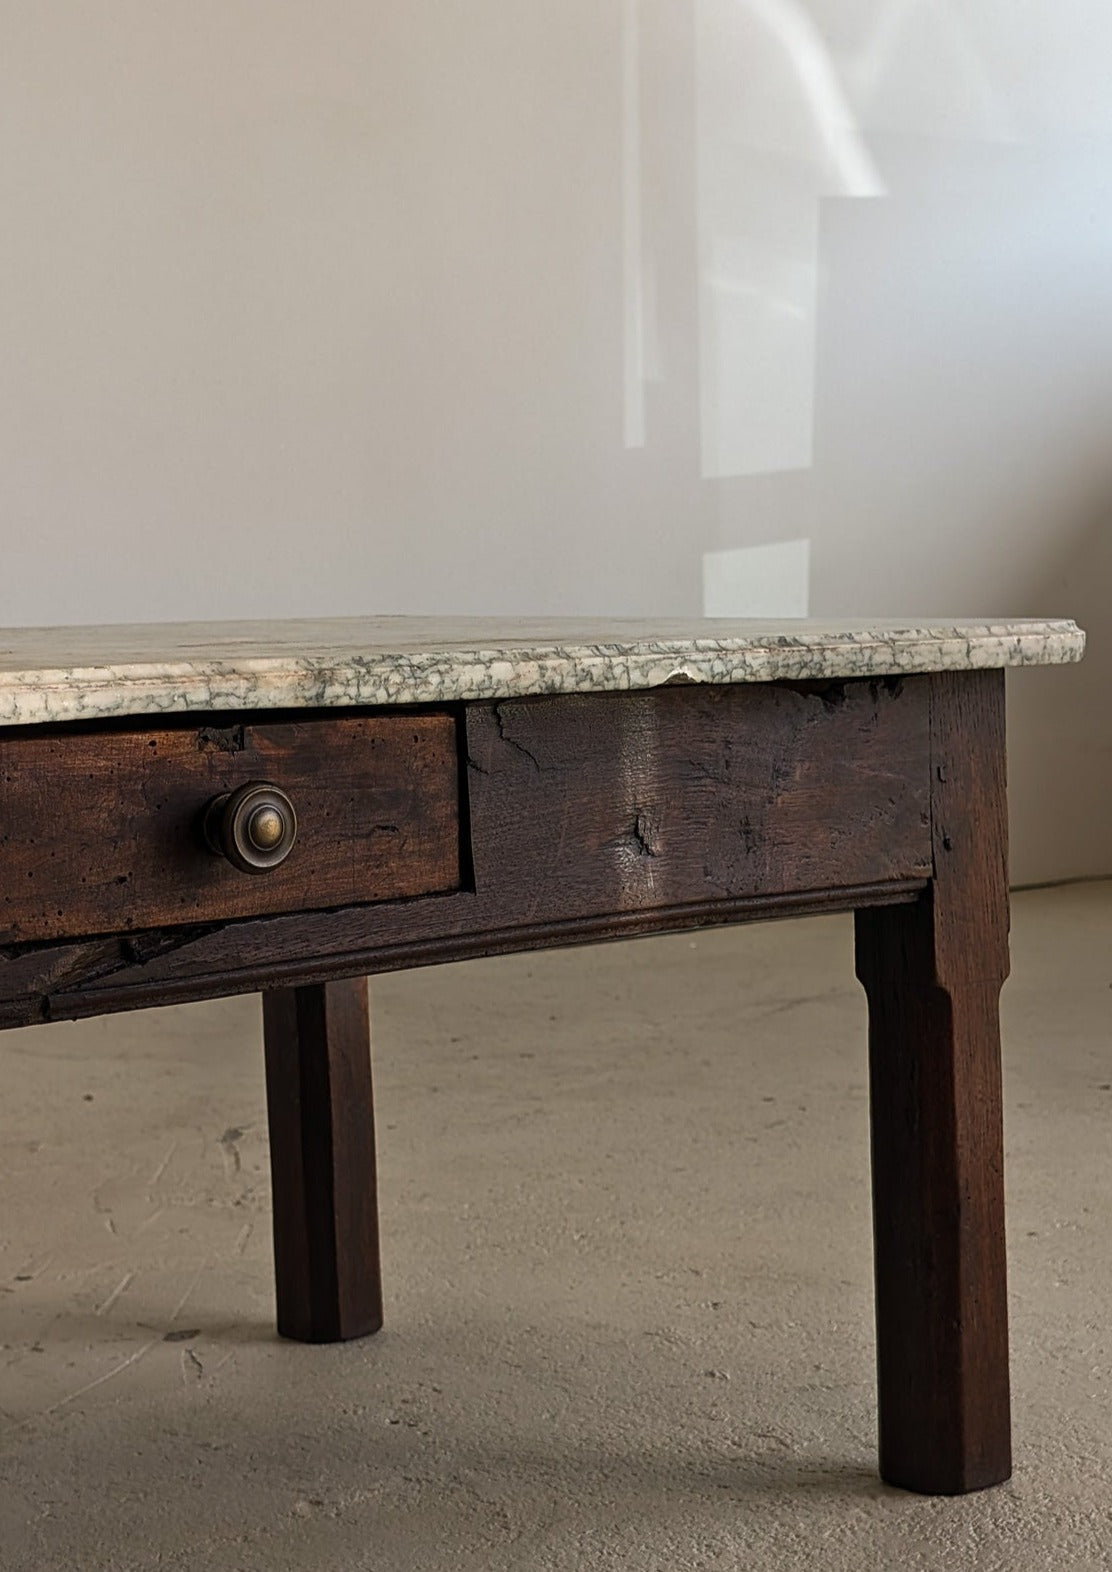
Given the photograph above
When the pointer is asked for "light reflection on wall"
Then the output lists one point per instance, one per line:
(775, 135)
(633, 260)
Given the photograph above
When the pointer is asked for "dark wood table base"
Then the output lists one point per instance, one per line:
(933, 973)
(583, 818)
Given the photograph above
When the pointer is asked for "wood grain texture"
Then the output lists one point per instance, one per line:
(933, 973)
(320, 1112)
(70, 981)
(617, 802)
(589, 817)
(100, 829)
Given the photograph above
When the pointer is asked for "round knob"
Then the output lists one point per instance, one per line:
(254, 826)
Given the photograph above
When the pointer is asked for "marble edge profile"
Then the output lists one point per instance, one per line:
(43, 696)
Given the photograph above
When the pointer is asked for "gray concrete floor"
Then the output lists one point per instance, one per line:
(626, 1232)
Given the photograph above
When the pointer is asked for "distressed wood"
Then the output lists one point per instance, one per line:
(621, 801)
(563, 820)
(71, 981)
(100, 827)
(590, 816)
(933, 973)
(320, 1111)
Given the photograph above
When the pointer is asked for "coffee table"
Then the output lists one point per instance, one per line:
(189, 811)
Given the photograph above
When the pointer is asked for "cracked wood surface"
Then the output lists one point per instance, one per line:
(617, 802)
(585, 817)
(66, 982)
(100, 829)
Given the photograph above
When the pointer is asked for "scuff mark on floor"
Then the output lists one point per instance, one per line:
(89, 1386)
(163, 1165)
(121, 1287)
(191, 1366)
(230, 1142)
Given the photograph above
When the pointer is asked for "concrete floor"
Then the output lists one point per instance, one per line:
(626, 1232)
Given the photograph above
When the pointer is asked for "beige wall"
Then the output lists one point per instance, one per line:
(548, 307)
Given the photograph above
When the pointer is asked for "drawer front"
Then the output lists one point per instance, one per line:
(101, 830)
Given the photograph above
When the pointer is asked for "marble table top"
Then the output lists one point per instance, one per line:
(85, 673)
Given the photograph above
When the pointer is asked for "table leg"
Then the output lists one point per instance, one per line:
(933, 973)
(322, 1159)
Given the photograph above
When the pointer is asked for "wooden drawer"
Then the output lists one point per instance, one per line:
(100, 829)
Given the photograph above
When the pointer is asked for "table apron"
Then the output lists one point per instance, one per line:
(582, 817)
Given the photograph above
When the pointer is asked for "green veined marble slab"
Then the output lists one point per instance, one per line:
(85, 673)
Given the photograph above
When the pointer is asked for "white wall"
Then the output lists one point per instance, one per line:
(535, 306)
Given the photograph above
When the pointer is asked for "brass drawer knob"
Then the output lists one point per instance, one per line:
(254, 826)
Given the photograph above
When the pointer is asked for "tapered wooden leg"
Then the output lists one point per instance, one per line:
(933, 973)
(322, 1160)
